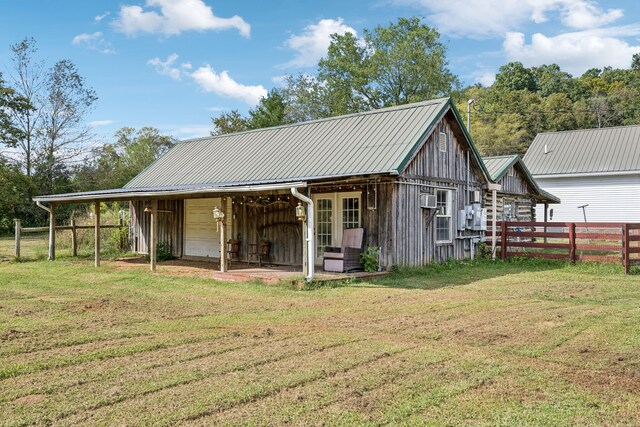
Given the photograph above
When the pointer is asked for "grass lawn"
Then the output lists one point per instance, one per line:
(506, 344)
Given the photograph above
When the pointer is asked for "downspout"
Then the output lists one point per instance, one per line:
(310, 234)
(40, 205)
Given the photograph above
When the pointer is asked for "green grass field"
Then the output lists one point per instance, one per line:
(505, 344)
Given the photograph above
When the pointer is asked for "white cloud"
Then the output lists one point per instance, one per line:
(279, 80)
(484, 77)
(574, 52)
(314, 41)
(187, 131)
(167, 68)
(99, 18)
(174, 17)
(97, 123)
(95, 41)
(490, 18)
(222, 84)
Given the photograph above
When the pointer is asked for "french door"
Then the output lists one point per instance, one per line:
(335, 212)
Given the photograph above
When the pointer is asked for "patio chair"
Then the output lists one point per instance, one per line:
(347, 257)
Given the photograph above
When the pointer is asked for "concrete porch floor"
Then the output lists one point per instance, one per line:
(241, 272)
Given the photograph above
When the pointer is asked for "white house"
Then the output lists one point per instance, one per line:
(595, 172)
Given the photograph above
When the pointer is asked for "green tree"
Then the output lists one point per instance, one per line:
(113, 165)
(230, 122)
(305, 98)
(14, 203)
(402, 63)
(269, 112)
(63, 132)
(514, 76)
(10, 104)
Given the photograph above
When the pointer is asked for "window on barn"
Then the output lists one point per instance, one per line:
(443, 216)
(442, 141)
(509, 210)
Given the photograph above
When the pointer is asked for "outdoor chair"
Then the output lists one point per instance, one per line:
(347, 257)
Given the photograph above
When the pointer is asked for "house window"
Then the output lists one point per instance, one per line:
(324, 224)
(442, 141)
(334, 213)
(509, 210)
(443, 216)
(350, 212)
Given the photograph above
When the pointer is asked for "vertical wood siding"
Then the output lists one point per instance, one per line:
(514, 188)
(170, 226)
(413, 233)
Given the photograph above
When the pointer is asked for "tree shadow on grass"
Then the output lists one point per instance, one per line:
(459, 273)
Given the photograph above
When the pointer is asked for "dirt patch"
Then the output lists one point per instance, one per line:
(30, 399)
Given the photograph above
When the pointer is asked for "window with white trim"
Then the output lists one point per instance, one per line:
(335, 212)
(443, 215)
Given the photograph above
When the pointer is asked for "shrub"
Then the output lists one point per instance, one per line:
(369, 259)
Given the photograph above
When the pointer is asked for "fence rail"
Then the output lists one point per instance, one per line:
(572, 241)
(19, 230)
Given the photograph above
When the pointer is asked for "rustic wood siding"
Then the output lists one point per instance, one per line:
(413, 234)
(170, 226)
(276, 223)
(515, 188)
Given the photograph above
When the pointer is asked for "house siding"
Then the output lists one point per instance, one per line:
(514, 188)
(414, 230)
(610, 198)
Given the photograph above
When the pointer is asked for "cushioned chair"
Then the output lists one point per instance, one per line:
(347, 257)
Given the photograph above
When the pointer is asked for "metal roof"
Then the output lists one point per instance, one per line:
(498, 166)
(378, 141)
(587, 151)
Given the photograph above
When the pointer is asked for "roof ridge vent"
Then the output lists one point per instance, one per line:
(546, 149)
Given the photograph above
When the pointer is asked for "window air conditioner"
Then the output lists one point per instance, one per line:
(428, 201)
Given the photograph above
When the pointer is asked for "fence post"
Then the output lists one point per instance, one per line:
(74, 238)
(572, 242)
(17, 238)
(625, 248)
(503, 240)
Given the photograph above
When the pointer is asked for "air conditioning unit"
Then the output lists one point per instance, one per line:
(428, 201)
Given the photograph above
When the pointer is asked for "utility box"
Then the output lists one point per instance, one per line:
(479, 222)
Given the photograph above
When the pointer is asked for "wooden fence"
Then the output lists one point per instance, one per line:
(572, 241)
(19, 230)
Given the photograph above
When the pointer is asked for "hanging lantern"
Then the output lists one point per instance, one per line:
(218, 215)
(301, 213)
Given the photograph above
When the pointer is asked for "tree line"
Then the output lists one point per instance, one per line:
(46, 146)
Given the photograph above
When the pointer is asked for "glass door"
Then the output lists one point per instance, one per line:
(324, 224)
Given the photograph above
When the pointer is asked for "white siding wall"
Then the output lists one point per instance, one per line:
(610, 198)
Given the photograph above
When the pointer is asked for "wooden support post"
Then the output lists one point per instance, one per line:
(626, 255)
(17, 238)
(153, 245)
(494, 225)
(546, 219)
(223, 235)
(52, 232)
(572, 242)
(96, 230)
(74, 238)
(503, 240)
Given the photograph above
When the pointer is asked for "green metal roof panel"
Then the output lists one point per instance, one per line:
(372, 142)
(498, 165)
(605, 150)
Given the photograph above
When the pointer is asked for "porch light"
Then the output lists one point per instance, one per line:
(301, 213)
(218, 215)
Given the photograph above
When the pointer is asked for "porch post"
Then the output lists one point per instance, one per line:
(52, 232)
(96, 231)
(223, 239)
(305, 260)
(494, 212)
(153, 245)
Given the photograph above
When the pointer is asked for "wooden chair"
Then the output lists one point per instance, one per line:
(347, 257)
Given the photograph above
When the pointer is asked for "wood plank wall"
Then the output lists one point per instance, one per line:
(515, 188)
(414, 234)
(276, 223)
(170, 225)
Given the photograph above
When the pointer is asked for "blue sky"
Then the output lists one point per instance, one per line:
(173, 64)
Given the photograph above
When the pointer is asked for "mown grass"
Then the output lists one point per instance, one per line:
(514, 343)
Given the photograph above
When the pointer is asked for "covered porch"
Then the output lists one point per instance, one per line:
(229, 226)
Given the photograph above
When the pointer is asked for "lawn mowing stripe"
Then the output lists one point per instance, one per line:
(134, 365)
(290, 402)
(323, 375)
(201, 375)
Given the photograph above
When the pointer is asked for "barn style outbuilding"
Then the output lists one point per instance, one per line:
(409, 176)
